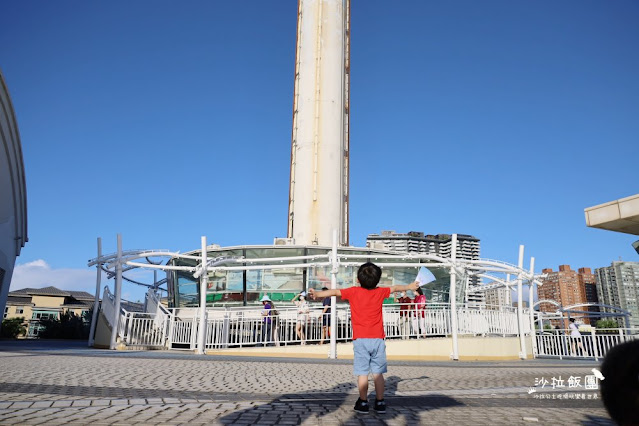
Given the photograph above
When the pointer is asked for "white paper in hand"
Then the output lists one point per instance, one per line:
(424, 276)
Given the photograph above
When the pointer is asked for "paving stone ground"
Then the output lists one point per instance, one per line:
(50, 383)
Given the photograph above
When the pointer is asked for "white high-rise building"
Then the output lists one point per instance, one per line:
(498, 297)
(440, 245)
(618, 285)
(416, 242)
(318, 193)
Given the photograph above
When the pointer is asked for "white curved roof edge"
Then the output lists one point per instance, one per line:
(620, 215)
(13, 148)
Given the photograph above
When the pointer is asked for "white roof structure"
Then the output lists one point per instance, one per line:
(620, 215)
(13, 192)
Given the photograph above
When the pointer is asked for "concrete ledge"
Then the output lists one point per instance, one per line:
(620, 215)
(431, 349)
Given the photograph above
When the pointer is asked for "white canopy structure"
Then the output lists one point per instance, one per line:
(202, 267)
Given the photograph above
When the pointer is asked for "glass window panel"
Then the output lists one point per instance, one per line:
(279, 284)
(187, 294)
(267, 252)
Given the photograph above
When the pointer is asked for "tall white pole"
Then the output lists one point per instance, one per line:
(334, 270)
(318, 191)
(96, 302)
(520, 308)
(118, 294)
(531, 288)
(510, 292)
(201, 332)
(452, 295)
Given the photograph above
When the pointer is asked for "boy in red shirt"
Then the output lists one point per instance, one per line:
(368, 330)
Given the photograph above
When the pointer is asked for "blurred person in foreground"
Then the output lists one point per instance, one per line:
(620, 385)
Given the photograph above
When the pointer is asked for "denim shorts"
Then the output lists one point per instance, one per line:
(369, 356)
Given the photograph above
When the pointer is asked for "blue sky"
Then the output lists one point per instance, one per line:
(165, 121)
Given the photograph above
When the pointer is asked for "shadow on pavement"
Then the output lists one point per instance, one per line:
(112, 392)
(297, 407)
(596, 420)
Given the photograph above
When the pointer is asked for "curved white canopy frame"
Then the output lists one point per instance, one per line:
(115, 264)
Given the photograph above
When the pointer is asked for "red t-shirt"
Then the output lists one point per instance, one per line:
(366, 311)
(404, 305)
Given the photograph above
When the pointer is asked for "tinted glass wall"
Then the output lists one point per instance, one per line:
(239, 288)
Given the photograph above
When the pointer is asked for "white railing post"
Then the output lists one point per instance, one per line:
(452, 295)
(169, 340)
(520, 308)
(334, 270)
(96, 303)
(227, 327)
(118, 293)
(129, 328)
(561, 344)
(595, 349)
(531, 288)
(201, 335)
(165, 320)
(193, 335)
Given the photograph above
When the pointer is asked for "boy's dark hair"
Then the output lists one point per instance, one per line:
(369, 275)
(572, 320)
(620, 388)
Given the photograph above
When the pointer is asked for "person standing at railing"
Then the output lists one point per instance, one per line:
(326, 317)
(404, 313)
(575, 339)
(267, 321)
(419, 317)
(369, 347)
(303, 311)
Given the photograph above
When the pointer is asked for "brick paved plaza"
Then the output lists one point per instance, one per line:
(66, 383)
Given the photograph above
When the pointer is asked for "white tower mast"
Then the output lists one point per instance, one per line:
(318, 195)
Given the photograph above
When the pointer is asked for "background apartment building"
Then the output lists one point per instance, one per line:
(498, 297)
(439, 245)
(618, 285)
(588, 281)
(566, 287)
(418, 242)
(35, 304)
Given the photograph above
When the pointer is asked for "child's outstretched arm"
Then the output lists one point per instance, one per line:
(412, 286)
(323, 293)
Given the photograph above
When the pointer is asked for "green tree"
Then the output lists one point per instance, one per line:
(68, 326)
(607, 323)
(13, 327)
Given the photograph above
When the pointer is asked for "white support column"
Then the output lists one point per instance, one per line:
(334, 269)
(561, 337)
(201, 334)
(452, 296)
(96, 302)
(117, 294)
(520, 308)
(531, 311)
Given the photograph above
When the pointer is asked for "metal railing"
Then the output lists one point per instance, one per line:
(108, 305)
(135, 328)
(108, 309)
(142, 330)
(246, 327)
(241, 327)
(594, 344)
